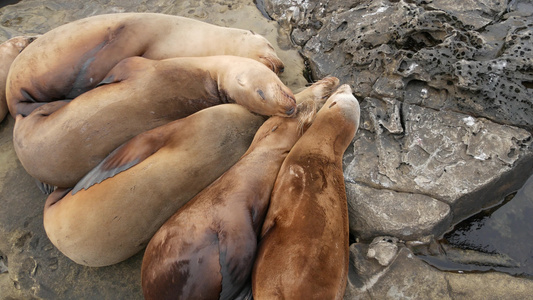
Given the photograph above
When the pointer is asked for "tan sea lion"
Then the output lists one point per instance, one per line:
(73, 58)
(303, 251)
(117, 207)
(61, 141)
(109, 217)
(8, 52)
(206, 250)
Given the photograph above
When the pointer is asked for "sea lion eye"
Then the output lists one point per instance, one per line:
(261, 94)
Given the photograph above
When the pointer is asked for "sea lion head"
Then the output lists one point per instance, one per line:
(282, 133)
(260, 49)
(347, 103)
(257, 88)
(21, 42)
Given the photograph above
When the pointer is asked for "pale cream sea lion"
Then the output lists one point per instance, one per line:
(304, 248)
(61, 141)
(206, 250)
(73, 58)
(8, 52)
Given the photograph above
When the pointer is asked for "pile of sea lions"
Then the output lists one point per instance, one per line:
(166, 133)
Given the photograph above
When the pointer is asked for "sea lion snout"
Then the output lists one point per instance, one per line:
(287, 101)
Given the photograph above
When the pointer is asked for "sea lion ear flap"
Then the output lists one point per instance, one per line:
(121, 159)
(241, 80)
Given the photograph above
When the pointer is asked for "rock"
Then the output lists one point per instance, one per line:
(446, 89)
(475, 54)
(407, 277)
(374, 212)
(414, 150)
(475, 15)
(383, 249)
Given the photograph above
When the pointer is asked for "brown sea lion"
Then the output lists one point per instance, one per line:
(117, 207)
(114, 211)
(8, 52)
(73, 58)
(206, 250)
(61, 141)
(303, 251)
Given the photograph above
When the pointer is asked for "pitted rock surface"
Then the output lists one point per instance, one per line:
(445, 88)
(475, 54)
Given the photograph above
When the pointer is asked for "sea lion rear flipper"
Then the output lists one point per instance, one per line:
(246, 292)
(44, 187)
(124, 157)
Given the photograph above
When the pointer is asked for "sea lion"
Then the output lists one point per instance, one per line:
(73, 58)
(109, 217)
(117, 207)
(8, 52)
(304, 249)
(61, 141)
(206, 250)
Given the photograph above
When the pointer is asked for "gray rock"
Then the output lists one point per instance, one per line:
(447, 156)
(407, 277)
(475, 54)
(383, 249)
(374, 212)
(440, 81)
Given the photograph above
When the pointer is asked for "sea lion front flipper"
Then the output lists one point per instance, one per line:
(124, 69)
(236, 262)
(124, 157)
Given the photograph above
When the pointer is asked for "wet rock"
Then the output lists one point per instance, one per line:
(407, 277)
(474, 14)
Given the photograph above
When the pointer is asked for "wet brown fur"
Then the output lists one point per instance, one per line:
(303, 251)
